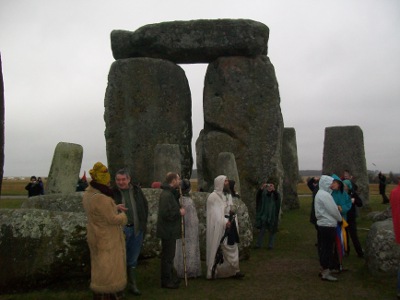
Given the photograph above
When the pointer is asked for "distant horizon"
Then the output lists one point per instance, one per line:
(307, 172)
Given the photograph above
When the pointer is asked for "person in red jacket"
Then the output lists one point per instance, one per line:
(395, 204)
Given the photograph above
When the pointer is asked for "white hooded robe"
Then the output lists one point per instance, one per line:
(219, 205)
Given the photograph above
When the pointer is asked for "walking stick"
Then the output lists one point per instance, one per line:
(183, 238)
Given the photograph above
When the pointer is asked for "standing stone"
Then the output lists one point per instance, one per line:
(290, 163)
(167, 158)
(242, 115)
(147, 103)
(65, 168)
(196, 41)
(227, 166)
(344, 150)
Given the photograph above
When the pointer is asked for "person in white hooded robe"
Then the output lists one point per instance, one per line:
(219, 207)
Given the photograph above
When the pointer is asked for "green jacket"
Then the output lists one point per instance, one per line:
(141, 204)
(268, 210)
(169, 217)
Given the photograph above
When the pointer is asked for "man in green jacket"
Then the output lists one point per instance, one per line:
(131, 195)
(169, 228)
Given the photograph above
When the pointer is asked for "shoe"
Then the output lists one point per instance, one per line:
(170, 285)
(326, 275)
(329, 278)
(238, 275)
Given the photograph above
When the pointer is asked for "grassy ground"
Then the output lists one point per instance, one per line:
(289, 271)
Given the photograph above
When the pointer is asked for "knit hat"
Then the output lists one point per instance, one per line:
(348, 184)
(100, 174)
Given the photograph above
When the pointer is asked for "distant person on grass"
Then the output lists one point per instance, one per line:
(33, 187)
(382, 188)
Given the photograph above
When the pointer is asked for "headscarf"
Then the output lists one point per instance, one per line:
(100, 174)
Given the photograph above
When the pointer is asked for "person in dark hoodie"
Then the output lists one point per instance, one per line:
(169, 228)
(351, 218)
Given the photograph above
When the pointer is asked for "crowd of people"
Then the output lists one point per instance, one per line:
(333, 213)
(117, 221)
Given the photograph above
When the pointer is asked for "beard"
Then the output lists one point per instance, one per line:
(227, 190)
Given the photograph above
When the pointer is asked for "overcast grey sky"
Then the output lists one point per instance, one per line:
(337, 63)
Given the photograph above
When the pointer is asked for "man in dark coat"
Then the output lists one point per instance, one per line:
(382, 188)
(33, 187)
(131, 195)
(169, 228)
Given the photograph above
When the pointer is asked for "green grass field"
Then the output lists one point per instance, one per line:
(289, 271)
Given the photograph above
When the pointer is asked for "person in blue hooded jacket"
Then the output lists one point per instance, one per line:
(342, 199)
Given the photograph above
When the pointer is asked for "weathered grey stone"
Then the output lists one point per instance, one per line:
(382, 252)
(147, 103)
(376, 216)
(344, 150)
(38, 247)
(167, 158)
(242, 115)
(290, 199)
(71, 202)
(227, 166)
(197, 41)
(65, 168)
(151, 244)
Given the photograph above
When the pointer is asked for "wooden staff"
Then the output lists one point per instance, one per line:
(183, 237)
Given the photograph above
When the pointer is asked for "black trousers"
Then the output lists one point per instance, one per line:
(326, 247)
(352, 233)
(167, 261)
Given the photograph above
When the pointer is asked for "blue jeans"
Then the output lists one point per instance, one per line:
(133, 246)
(260, 238)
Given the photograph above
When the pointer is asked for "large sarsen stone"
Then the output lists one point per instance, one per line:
(242, 115)
(197, 41)
(147, 103)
